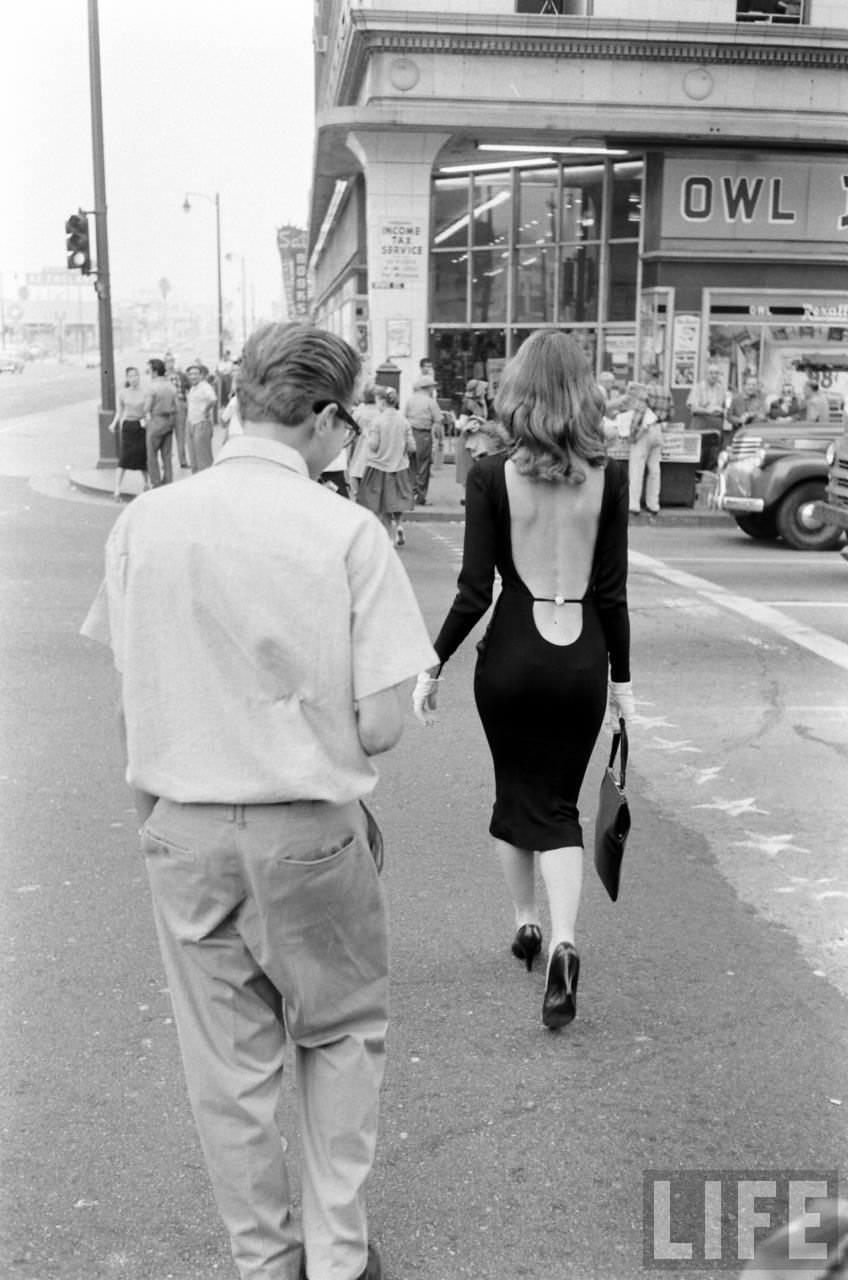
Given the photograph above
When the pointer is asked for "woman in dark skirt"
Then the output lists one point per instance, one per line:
(132, 449)
(386, 487)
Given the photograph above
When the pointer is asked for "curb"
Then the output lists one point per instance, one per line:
(670, 517)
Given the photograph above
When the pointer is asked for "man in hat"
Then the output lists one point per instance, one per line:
(423, 414)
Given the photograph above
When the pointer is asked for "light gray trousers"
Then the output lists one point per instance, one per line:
(272, 917)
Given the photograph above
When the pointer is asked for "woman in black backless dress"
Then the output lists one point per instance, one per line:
(550, 516)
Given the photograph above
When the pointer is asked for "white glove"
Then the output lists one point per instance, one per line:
(620, 704)
(424, 697)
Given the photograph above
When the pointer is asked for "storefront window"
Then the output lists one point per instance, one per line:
(524, 247)
(535, 285)
(626, 213)
(537, 207)
(449, 286)
(459, 356)
(780, 338)
(489, 274)
(582, 202)
(578, 282)
(450, 212)
(490, 210)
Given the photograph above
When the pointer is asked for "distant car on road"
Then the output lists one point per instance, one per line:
(11, 361)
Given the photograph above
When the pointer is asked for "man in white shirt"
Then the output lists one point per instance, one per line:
(201, 404)
(248, 611)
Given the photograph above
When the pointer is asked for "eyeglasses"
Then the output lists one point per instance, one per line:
(350, 422)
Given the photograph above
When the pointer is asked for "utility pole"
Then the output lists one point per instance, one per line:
(107, 442)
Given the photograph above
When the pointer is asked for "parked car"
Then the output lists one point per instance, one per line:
(772, 478)
(11, 361)
(834, 509)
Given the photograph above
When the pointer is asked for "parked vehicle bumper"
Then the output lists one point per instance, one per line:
(828, 513)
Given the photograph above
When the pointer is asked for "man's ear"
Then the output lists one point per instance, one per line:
(325, 420)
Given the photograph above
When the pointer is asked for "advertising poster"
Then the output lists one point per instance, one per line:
(684, 355)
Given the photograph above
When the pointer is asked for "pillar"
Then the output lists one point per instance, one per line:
(398, 167)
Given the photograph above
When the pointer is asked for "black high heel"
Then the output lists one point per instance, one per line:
(527, 944)
(560, 1004)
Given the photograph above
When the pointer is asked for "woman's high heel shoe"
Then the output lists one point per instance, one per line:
(527, 944)
(560, 1003)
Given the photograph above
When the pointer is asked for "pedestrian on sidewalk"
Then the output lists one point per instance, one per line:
(160, 419)
(425, 417)
(551, 517)
(180, 383)
(386, 488)
(201, 411)
(365, 415)
(482, 439)
(257, 685)
(127, 422)
(639, 425)
(474, 404)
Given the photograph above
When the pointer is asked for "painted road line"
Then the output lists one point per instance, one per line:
(764, 615)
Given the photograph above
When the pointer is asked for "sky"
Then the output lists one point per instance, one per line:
(198, 95)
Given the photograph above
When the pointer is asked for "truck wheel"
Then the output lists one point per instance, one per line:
(762, 528)
(797, 525)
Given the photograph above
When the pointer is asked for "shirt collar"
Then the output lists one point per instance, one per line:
(267, 450)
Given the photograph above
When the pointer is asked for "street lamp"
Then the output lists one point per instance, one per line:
(240, 256)
(216, 200)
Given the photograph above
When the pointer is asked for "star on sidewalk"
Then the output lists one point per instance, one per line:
(651, 722)
(770, 846)
(734, 808)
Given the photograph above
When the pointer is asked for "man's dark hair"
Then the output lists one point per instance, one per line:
(157, 367)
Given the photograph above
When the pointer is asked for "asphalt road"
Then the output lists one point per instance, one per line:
(711, 1031)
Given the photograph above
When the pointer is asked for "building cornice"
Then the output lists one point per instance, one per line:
(370, 32)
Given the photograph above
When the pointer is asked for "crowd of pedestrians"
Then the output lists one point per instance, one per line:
(172, 411)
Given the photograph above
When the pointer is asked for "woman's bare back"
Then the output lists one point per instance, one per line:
(553, 527)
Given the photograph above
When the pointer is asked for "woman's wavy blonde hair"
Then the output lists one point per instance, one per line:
(552, 408)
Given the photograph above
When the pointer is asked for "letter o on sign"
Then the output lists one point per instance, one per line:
(696, 199)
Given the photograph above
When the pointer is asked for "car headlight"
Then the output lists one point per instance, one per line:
(830, 453)
(722, 459)
(762, 455)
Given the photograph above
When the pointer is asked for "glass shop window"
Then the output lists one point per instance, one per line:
(537, 207)
(489, 276)
(491, 204)
(450, 212)
(449, 286)
(579, 275)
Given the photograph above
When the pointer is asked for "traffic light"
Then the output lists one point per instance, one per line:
(77, 242)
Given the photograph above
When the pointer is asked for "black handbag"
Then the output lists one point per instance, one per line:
(612, 824)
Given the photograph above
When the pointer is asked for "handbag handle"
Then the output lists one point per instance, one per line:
(619, 738)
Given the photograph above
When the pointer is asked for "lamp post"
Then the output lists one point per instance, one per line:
(216, 200)
(240, 256)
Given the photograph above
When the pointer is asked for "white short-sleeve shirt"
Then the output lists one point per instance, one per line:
(247, 610)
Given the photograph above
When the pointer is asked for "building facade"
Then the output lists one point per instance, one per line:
(668, 189)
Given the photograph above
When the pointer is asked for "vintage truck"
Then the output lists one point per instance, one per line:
(834, 509)
(772, 479)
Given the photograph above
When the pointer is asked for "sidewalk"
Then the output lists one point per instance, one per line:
(444, 500)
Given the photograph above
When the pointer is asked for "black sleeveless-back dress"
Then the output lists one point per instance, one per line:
(541, 704)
